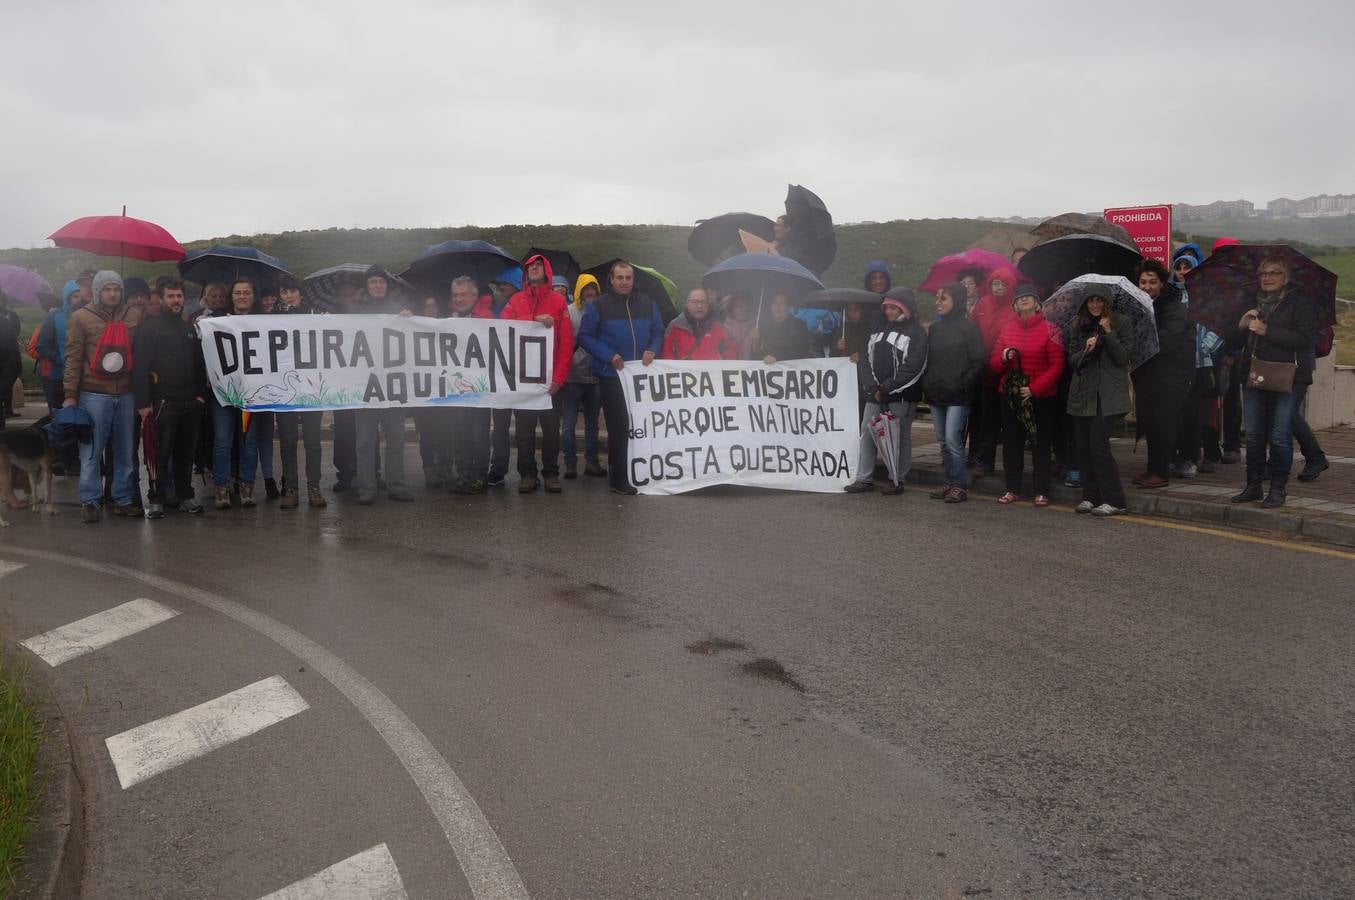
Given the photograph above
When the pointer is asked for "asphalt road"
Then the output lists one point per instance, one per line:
(731, 693)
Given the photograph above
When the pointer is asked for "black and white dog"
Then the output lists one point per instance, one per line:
(30, 450)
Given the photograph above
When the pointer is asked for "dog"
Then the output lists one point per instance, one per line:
(30, 451)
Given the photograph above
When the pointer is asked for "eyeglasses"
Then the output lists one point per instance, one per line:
(1272, 273)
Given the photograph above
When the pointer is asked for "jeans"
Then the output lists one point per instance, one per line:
(177, 422)
(1270, 426)
(1044, 411)
(1100, 473)
(225, 434)
(262, 427)
(526, 421)
(576, 397)
(618, 431)
(391, 421)
(114, 417)
(949, 422)
(865, 466)
(308, 423)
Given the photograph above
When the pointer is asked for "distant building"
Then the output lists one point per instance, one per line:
(1283, 208)
(1219, 209)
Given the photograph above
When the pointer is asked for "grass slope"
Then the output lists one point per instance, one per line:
(20, 740)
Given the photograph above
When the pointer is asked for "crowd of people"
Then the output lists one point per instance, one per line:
(991, 369)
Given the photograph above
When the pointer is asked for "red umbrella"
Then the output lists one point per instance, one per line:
(948, 268)
(119, 236)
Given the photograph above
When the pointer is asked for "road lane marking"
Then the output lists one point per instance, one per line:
(7, 567)
(97, 631)
(1235, 536)
(489, 870)
(371, 875)
(156, 747)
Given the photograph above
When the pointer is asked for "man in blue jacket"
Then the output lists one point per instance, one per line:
(621, 325)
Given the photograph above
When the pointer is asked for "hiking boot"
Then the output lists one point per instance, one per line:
(893, 490)
(1313, 468)
(571, 469)
(1250, 494)
(527, 485)
(89, 513)
(595, 470)
(130, 510)
(1188, 470)
(191, 507)
(957, 494)
(155, 511)
(290, 500)
(247, 495)
(1275, 499)
(400, 495)
(1230, 457)
(552, 485)
(859, 487)
(314, 498)
(270, 489)
(941, 492)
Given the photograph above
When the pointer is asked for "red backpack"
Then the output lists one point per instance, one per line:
(113, 354)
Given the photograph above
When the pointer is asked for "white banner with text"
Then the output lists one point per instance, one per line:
(790, 425)
(288, 363)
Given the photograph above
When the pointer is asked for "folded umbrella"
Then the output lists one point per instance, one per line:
(1125, 299)
(812, 240)
(24, 285)
(720, 237)
(1062, 259)
(651, 282)
(120, 236)
(1023, 407)
(225, 263)
(150, 448)
(947, 269)
(440, 264)
(885, 429)
(1225, 285)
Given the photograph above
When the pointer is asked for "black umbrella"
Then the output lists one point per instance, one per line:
(716, 239)
(1080, 223)
(224, 263)
(812, 242)
(837, 299)
(649, 282)
(562, 262)
(1063, 259)
(440, 264)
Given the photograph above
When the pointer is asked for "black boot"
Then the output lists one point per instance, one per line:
(1251, 493)
(270, 489)
(1275, 499)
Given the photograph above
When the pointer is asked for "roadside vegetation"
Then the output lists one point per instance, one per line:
(20, 785)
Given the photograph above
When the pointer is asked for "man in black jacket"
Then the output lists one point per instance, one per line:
(169, 379)
(1162, 383)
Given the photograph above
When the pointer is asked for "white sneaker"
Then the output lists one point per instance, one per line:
(1105, 509)
(1188, 470)
(1084, 507)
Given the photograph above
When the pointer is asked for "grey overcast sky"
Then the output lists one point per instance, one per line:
(246, 116)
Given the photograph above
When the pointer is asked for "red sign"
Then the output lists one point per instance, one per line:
(1150, 226)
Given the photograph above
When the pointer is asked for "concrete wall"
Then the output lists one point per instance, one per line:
(1331, 399)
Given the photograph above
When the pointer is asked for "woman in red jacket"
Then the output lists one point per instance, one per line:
(697, 334)
(1032, 347)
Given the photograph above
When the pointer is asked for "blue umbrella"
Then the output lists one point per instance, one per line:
(224, 263)
(762, 275)
(439, 264)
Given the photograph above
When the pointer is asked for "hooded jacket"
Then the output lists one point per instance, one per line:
(84, 328)
(956, 358)
(542, 299)
(877, 265)
(1171, 369)
(1100, 383)
(52, 339)
(1041, 349)
(992, 313)
(583, 282)
(616, 325)
(706, 339)
(896, 358)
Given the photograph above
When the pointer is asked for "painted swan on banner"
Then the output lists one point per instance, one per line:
(278, 395)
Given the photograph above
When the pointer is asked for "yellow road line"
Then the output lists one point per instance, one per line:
(1235, 536)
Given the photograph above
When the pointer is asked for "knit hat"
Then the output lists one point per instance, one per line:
(104, 278)
(1025, 290)
(375, 271)
(135, 285)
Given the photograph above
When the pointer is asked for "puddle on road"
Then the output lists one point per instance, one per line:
(711, 646)
(772, 670)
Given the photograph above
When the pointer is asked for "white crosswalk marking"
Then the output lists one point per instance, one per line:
(6, 567)
(370, 875)
(147, 750)
(99, 630)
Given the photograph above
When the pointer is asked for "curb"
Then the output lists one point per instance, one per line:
(1287, 523)
(54, 859)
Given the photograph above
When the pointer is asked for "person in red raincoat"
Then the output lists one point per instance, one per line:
(697, 334)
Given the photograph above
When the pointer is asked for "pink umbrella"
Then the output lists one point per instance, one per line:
(948, 268)
(119, 236)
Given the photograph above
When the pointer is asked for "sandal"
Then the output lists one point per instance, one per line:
(1041, 500)
(1008, 498)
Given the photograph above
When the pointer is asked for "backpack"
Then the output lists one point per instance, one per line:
(41, 365)
(1325, 338)
(113, 353)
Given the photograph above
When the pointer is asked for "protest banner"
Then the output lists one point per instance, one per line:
(282, 362)
(1149, 226)
(695, 424)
